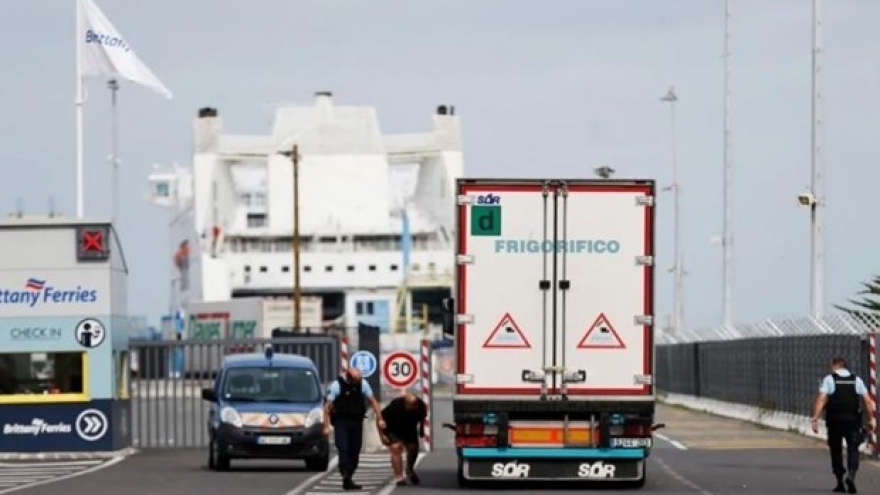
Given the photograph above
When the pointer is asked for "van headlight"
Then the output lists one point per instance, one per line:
(315, 416)
(230, 416)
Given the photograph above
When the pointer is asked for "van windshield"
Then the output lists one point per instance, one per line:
(264, 384)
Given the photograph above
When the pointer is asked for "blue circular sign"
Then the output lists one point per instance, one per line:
(365, 361)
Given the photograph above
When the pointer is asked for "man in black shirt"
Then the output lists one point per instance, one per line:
(841, 396)
(405, 424)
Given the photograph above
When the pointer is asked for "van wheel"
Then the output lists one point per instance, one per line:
(217, 460)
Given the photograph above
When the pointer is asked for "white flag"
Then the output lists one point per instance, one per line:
(106, 53)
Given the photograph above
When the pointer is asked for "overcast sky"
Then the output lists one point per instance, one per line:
(543, 88)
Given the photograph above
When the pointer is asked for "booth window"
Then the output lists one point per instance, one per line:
(43, 377)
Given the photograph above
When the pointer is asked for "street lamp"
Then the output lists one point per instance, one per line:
(816, 197)
(727, 225)
(678, 265)
(604, 172)
(293, 154)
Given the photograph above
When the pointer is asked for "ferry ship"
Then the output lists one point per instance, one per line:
(375, 214)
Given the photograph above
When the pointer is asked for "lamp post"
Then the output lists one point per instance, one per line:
(817, 181)
(727, 235)
(677, 319)
(297, 289)
(604, 172)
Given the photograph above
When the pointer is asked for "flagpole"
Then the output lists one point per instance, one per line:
(114, 153)
(79, 101)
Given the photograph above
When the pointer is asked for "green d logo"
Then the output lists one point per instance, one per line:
(486, 220)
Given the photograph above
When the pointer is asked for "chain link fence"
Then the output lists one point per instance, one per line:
(774, 365)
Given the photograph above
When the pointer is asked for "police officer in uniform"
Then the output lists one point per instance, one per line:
(346, 406)
(841, 396)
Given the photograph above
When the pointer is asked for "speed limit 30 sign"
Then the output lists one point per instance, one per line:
(400, 369)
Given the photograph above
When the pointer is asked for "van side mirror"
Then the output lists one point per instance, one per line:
(209, 395)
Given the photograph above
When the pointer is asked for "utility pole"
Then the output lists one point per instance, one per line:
(727, 236)
(297, 288)
(817, 209)
(678, 268)
(113, 85)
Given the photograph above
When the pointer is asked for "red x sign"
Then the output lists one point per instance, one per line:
(93, 240)
(92, 244)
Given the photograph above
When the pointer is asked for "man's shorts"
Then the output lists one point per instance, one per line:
(395, 437)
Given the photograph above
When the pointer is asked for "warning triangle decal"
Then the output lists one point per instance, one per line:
(601, 335)
(507, 335)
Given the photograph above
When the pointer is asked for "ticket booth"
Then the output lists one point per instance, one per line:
(64, 354)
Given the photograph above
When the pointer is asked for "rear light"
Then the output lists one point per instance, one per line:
(476, 429)
(476, 435)
(637, 430)
(631, 430)
(476, 442)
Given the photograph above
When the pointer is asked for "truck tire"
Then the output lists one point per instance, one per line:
(639, 483)
(462, 481)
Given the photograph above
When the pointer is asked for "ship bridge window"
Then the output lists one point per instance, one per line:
(372, 268)
(285, 269)
(328, 268)
(256, 220)
(253, 198)
(263, 269)
(307, 268)
(393, 268)
(351, 268)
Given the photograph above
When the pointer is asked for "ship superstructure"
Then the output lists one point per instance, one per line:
(369, 205)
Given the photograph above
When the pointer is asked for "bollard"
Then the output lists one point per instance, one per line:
(425, 371)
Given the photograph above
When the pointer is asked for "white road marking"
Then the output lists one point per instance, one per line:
(393, 484)
(312, 479)
(18, 476)
(674, 443)
(681, 479)
(374, 474)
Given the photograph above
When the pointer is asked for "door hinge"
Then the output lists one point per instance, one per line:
(645, 200)
(645, 260)
(644, 320)
(643, 379)
(464, 259)
(464, 199)
(464, 319)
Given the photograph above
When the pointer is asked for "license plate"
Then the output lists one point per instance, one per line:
(631, 442)
(274, 440)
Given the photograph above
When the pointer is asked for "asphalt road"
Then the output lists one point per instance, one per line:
(696, 453)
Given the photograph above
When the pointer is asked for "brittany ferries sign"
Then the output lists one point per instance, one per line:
(40, 295)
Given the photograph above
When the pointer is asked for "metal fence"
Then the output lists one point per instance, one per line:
(832, 324)
(776, 365)
(168, 376)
